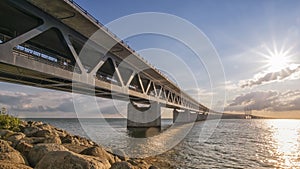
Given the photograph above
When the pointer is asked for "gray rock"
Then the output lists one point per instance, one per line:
(9, 165)
(132, 162)
(138, 163)
(24, 148)
(5, 133)
(60, 133)
(39, 150)
(23, 123)
(33, 140)
(121, 154)
(45, 127)
(117, 159)
(99, 152)
(34, 123)
(70, 139)
(15, 138)
(52, 139)
(70, 160)
(10, 154)
(41, 133)
(84, 141)
(28, 131)
(121, 165)
(75, 148)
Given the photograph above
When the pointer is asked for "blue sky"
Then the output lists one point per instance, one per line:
(233, 26)
(244, 34)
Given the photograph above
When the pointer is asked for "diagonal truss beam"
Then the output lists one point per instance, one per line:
(163, 94)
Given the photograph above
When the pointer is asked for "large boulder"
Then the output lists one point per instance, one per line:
(49, 134)
(139, 163)
(39, 150)
(9, 165)
(41, 133)
(34, 123)
(77, 140)
(70, 160)
(121, 165)
(10, 154)
(99, 152)
(70, 139)
(37, 140)
(30, 130)
(45, 126)
(24, 148)
(85, 141)
(75, 148)
(61, 133)
(15, 138)
(52, 139)
(121, 154)
(5, 133)
(33, 140)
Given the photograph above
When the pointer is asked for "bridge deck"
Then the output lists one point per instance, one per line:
(49, 65)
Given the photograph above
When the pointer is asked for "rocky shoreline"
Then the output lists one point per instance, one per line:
(40, 146)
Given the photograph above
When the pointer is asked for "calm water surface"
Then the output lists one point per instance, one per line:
(233, 144)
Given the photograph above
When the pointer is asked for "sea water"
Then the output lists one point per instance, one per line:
(232, 143)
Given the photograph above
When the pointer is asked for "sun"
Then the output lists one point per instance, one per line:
(277, 59)
(278, 62)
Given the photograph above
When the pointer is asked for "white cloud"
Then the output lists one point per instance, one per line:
(229, 85)
(288, 73)
(39, 102)
(266, 100)
(58, 104)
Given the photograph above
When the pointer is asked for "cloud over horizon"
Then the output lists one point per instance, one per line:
(268, 77)
(39, 102)
(58, 104)
(266, 100)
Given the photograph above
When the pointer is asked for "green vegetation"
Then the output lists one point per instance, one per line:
(8, 122)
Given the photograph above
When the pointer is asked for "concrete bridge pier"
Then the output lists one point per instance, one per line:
(144, 117)
(183, 116)
(201, 117)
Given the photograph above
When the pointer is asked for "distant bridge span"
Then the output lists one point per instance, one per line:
(40, 42)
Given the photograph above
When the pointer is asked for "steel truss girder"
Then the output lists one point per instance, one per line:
(8, 56)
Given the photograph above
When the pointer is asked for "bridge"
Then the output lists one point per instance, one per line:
(46, 44)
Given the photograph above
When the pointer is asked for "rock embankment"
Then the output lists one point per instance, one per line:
(41, 146)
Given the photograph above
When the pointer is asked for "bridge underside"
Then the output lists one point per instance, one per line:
(45, 47)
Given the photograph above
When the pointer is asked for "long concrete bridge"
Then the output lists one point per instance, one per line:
(42, 44)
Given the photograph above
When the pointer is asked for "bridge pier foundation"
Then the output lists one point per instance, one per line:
(181, 117)
(201, 117)
(187, 117)
(141, 117)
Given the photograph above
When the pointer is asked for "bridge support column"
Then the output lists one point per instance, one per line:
(201, 117)
(193, 117)
(144, 117)
(182, 117)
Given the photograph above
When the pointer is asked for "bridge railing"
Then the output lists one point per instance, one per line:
(37, 57)
(93, 19)
(90, 16)
(71, 68)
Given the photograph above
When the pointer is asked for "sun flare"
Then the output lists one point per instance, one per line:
(278, 62)
(276, 58)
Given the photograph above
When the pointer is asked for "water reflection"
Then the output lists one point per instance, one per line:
(143, 132)
(285, 140)
(235, 143)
